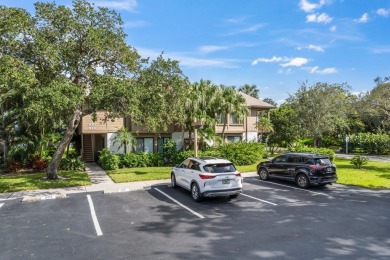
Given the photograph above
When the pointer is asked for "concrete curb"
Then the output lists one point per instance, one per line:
(38, 197)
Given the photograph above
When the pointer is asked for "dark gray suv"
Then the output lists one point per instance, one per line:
(304, 169)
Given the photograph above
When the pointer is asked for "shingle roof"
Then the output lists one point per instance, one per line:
(254, 102)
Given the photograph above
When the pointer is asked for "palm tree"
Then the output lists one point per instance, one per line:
(230, 102)
(125, 139)
(250, 90)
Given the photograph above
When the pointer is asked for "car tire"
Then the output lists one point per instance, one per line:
(173, 180)
(195, 192)
(302, 181)
(263, 174)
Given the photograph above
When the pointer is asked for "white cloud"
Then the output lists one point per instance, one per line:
(235, 20)
(295, 62)
(312, 47)
(362, 19)
(250, 29)
(308, 7)
(333, 28)
(383, 12)
(380, 49)
(211, 48)
(128, 5)
(265, 60)
(319, 18)
(288, 62)
(316, 70)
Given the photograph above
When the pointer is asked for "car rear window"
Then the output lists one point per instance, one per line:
(219, 168)
(322, 161)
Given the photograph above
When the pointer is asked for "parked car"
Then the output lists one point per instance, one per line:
(304, 169)
(207, 177)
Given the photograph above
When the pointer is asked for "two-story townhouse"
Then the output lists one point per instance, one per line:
(99, 134)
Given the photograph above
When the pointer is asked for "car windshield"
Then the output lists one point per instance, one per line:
(219, 168)
(322, 161)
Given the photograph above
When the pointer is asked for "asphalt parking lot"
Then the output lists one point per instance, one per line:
(272, 220)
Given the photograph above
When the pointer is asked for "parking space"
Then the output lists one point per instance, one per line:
(270, 218)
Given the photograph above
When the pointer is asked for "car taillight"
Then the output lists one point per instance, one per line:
(238, 174)
(204, 176)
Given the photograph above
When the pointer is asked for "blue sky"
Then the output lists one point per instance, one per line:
(272, 44)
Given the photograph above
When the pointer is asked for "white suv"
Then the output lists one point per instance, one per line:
(207, 177)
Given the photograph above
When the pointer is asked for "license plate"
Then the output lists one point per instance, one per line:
(225, 181)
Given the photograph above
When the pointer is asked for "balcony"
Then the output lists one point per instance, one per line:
(100, 126)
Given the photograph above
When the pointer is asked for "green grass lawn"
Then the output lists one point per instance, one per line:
(34, 181)
(140, 174)
(155, 173)
(374, 175)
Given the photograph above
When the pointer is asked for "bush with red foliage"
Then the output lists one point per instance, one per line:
(37, 164)
(14, 166)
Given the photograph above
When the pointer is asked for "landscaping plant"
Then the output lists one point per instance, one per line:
(359, 161)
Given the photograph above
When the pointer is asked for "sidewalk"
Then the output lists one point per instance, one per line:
(100, 181)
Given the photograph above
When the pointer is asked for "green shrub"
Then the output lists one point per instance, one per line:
(242, 153)
(128, 160)
(305, 149)
(210, 153)
(72, 164)
(182, 155)
(169, 151)
(131, 160)
(368, 143)
(108, 160)
(359, 161)
(156, 159)
(143, 160)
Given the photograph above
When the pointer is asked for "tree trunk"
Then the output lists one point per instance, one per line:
(52, 169)
(223, 128)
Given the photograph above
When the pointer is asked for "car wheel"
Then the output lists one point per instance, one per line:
(195, 192)
(263, 174)
(173, 181)
(302, 181)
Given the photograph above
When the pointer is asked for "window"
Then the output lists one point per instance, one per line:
(280, 159)
(233, 120)
(294, 159)
(160, 142)
(194, 166)
(221, 119)
(144, 145)
(231, 139)
(219, 168)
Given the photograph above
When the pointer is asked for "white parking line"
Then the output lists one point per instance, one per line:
(178, 203)
(94, 218)
(1, 204)
(259, 199)
(295, 188)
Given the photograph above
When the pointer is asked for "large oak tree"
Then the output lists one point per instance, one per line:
(78, 62)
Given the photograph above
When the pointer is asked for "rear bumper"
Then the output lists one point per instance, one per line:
(221, 193)
(323, 180)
